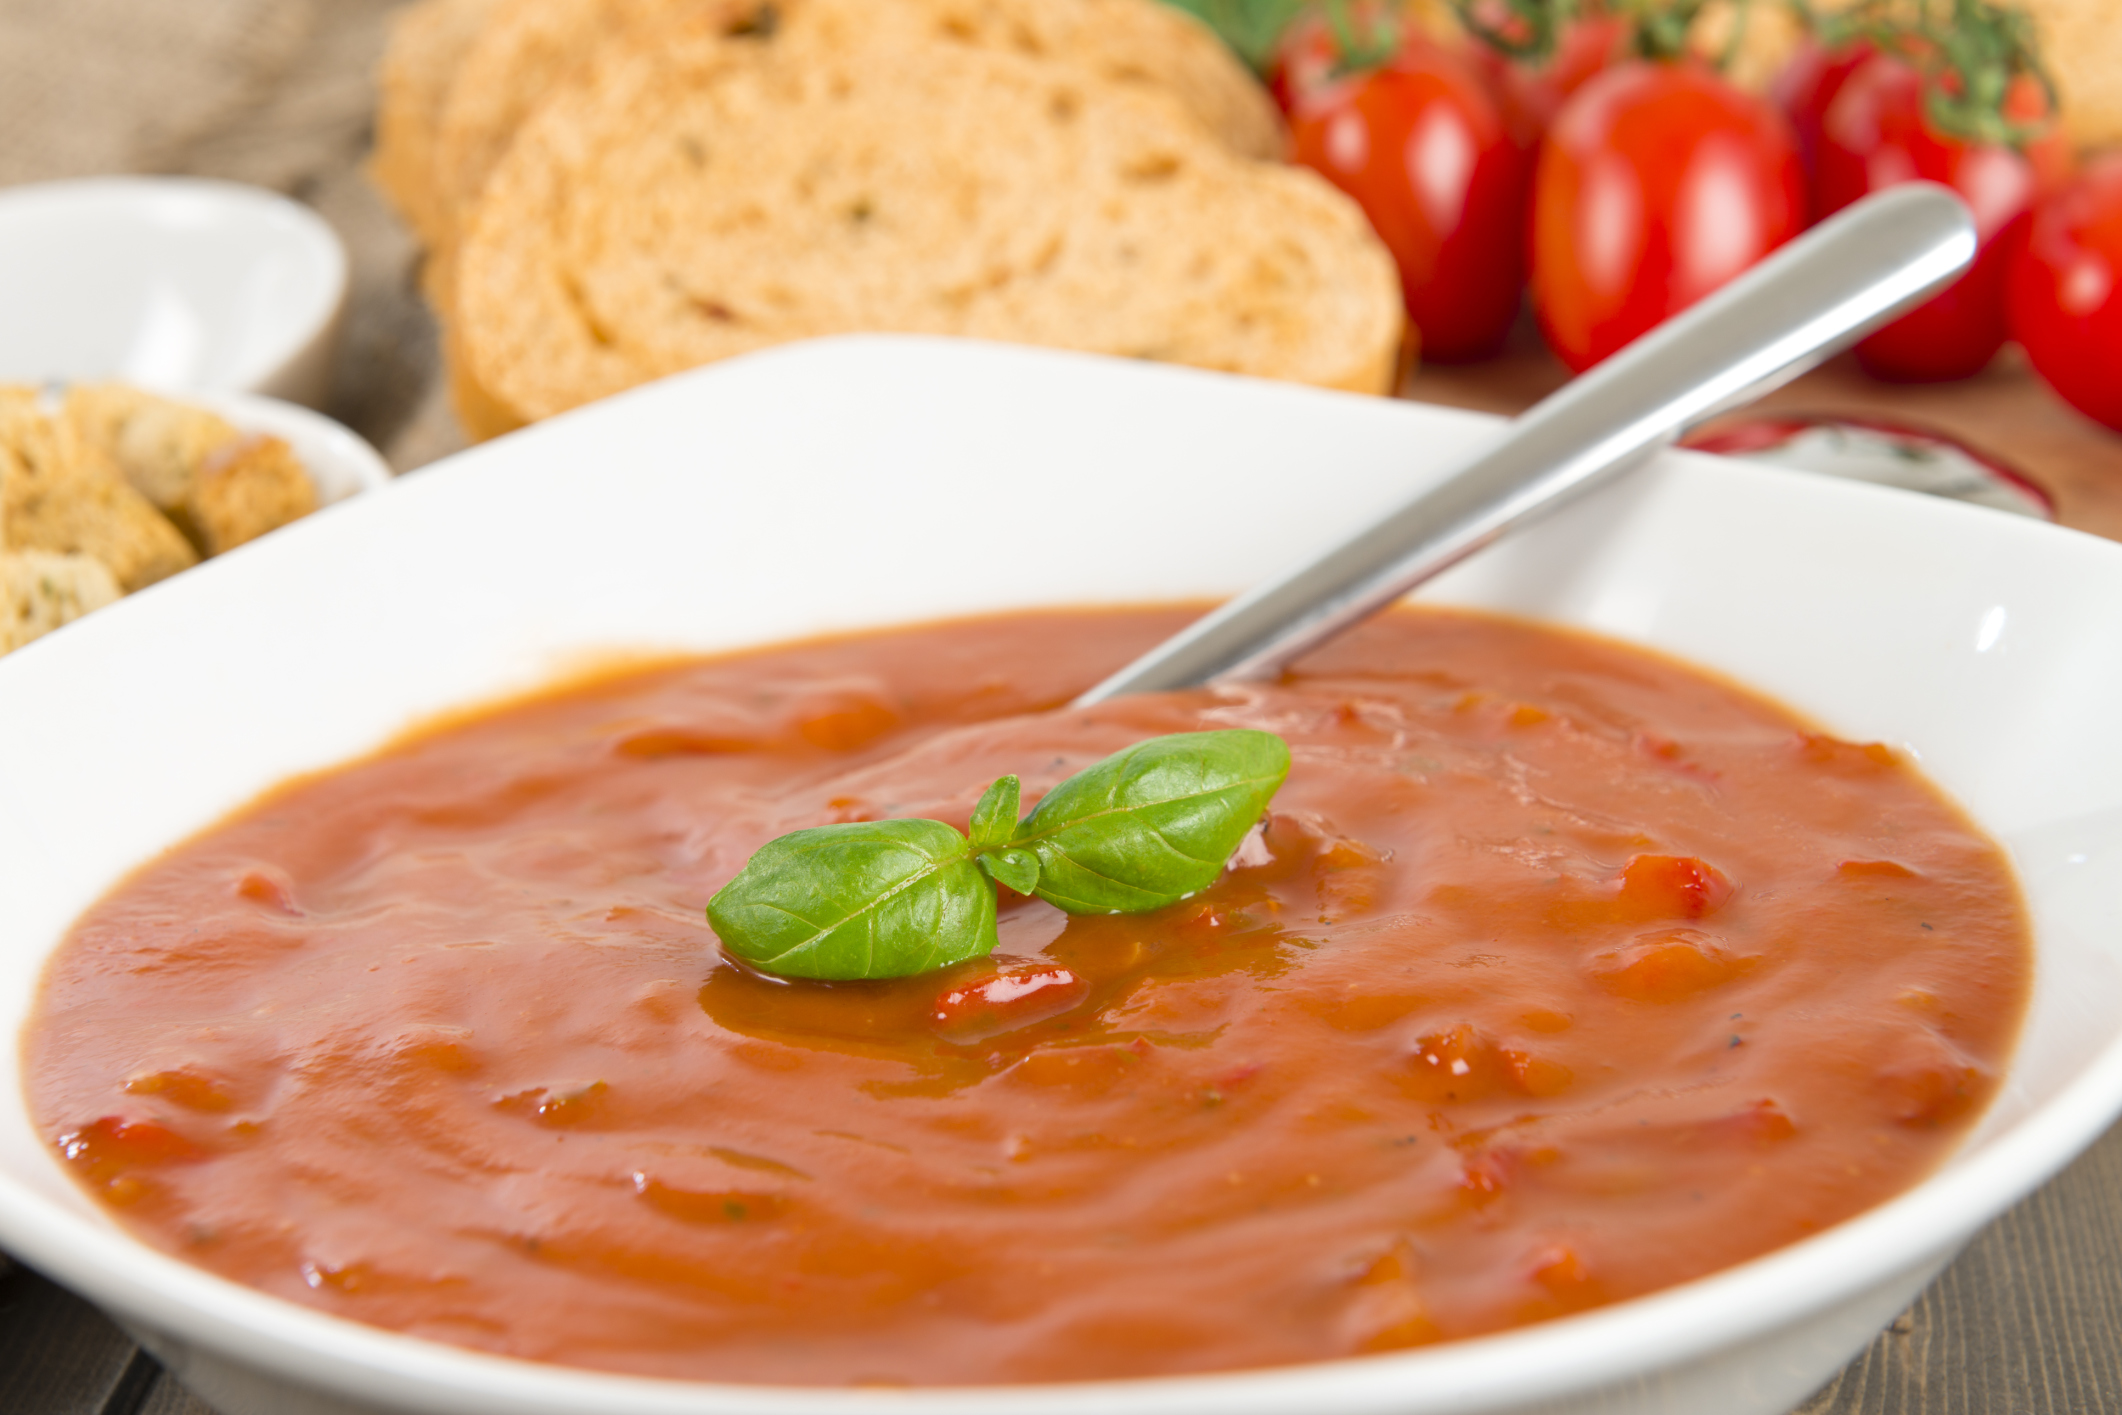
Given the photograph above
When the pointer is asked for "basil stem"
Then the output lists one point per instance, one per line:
(1153, 824)
(1019, 869)
(1144, 828)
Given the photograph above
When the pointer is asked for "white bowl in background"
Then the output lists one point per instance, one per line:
(173, 283)
(873, 481)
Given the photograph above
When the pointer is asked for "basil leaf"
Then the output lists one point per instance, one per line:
(883, 899)
(994, 822)
(1019, 869)
(869, 899)
(1154, 823)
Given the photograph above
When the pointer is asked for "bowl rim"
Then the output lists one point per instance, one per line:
(75, 200)
(1917, 1227)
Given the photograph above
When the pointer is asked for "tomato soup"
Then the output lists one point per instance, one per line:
(1558, 973)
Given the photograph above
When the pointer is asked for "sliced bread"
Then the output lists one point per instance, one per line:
(521, 53)
(526, 48)
(696, 197)
(427, 42)
(1145, 42)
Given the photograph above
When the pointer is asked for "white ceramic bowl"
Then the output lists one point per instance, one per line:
(173, 283)
(872, 481)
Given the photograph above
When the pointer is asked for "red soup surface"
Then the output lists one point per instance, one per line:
(1559, 973)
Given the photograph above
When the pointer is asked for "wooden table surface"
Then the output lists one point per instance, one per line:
(2027, 1322)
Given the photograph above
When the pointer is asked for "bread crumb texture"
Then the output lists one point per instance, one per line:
(699, 195)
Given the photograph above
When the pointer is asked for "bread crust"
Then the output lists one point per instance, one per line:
(427, 43)
(696, 197)
(481, 415)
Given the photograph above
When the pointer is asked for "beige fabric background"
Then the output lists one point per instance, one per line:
(113, 85)
(275, 92)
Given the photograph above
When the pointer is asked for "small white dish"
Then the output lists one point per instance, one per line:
(173, 283)
(862, 482)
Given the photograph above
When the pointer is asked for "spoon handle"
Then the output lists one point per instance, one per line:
(1803, 304)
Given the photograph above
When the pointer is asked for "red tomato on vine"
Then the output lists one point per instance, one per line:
(1877, 132)
(1808, 84)
(2065, 292)
(1422, 144)
(1533, 91)
(1306, 60)
(1659, 182)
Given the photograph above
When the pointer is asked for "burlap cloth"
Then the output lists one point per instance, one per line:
(275, 92)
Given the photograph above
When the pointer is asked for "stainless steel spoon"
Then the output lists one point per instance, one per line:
(1805, 303)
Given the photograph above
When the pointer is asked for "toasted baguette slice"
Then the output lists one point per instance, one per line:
(40, 591)
(527, 48)
(427, 42)
(219, 486)
(1145, 42)
(699, 197)
(524, 50)
(59, 494)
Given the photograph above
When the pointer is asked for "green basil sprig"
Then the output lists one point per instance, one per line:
(1142, 829)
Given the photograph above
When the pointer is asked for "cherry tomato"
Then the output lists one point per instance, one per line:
(1657, 184)
(1534, 93)
(1804, 88)
(1305, 62)
(2065, 292)
(1874, 134)
(1309, 55)
(1422, 146)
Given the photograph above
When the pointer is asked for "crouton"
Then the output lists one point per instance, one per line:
(219, 486)
(40, 591)
(242, 490)
(59, 494)
(156, 442)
